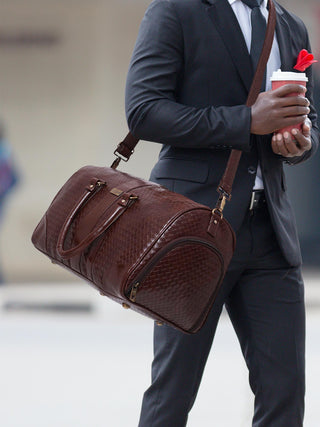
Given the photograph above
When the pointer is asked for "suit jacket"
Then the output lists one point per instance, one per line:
(187, 86)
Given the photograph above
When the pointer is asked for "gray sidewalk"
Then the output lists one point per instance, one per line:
(70, 358)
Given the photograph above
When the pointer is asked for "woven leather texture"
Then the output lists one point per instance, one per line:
(192, 285)
(179, 282)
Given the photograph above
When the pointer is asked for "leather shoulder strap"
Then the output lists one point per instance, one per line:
(126, 148)
(225, 186)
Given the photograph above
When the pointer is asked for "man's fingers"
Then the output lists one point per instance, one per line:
(303, 141)
(293, 100)
(306, 127)
(288, 89)
(274, 145)
(290, 144)
(308, 123)
(292, 121)
(295, 110)
(275, 110)
(279, 146)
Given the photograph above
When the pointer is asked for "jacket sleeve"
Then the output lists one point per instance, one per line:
(312, 116)
(152, 110)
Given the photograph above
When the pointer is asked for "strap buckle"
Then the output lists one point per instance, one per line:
(224, 196)
(121, 156)
(224, 193)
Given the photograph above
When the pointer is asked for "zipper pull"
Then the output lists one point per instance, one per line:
(134, 291)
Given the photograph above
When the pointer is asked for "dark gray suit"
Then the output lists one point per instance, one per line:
(187, 86)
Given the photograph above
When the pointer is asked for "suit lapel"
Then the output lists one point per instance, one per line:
(226, 23)
(284, 41)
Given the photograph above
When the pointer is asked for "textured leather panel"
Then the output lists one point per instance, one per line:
(178, 282)
(184, 274)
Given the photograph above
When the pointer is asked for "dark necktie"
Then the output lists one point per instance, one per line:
(259, 26)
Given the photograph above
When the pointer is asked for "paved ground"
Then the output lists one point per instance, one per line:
(87, 364)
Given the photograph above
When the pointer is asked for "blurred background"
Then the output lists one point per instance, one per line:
(63, 68)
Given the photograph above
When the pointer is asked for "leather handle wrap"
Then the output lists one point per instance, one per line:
(118, 208)
(126, 148)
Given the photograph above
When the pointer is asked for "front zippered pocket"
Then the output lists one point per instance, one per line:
(180, 281)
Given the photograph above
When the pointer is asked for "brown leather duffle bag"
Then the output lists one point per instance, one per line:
(152, 250)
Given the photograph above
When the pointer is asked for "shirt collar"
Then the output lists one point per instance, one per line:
(263, 4)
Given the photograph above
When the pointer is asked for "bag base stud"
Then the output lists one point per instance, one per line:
(125, 306)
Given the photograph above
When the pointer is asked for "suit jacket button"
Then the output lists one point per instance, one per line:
(252, 170)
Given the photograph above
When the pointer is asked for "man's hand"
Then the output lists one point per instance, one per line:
(294, 144)
(276, 110)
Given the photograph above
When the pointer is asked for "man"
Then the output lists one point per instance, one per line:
(187, 86)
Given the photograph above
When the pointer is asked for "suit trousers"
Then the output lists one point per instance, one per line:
(264, 297)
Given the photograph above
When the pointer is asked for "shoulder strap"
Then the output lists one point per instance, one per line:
(225, 186)
(126, 148)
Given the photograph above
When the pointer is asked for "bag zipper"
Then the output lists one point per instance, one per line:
(133, 289)
(133, 292)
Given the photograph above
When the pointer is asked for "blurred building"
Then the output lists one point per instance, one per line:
(63, 68)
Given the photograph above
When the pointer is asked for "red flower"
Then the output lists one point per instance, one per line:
(305, 59)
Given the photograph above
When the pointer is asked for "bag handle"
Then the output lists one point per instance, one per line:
(124, 201)
(126, 148)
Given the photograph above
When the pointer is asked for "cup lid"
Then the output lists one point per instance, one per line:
(287, 75)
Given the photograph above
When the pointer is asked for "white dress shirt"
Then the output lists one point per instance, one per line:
(243, 14)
